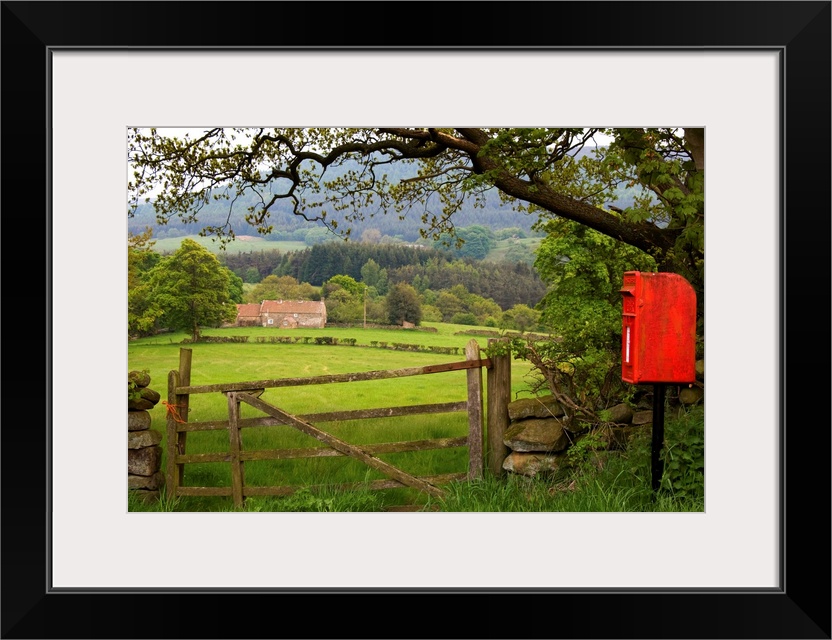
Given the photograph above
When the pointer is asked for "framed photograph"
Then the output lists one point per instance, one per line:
(755, 75)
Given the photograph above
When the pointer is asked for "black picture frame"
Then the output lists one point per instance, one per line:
(800, 31)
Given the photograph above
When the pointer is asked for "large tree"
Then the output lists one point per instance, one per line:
(340, 175)
(191, 289)
(403, 304)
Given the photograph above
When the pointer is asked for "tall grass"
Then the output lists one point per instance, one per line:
(617, 481)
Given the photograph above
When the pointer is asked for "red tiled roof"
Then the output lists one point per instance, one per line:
(248, 310)
(292, 306)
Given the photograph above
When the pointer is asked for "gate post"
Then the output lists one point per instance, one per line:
(237, 469)
(498, 381)
(177, 406)
(475, 434)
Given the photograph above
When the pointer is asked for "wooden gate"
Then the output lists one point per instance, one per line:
(178, 426)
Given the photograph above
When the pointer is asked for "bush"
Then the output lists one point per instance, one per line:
(683, 455)
(403, 305)
(464, 318)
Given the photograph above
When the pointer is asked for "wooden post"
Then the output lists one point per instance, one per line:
(475, 428)
(177, 411)
(498, 390)
(237, 477)
(182, 403)
(171, 476)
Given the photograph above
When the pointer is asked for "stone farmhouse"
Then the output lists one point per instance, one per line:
(282, 314)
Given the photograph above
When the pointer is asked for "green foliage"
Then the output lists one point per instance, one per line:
(142, 315)
(664, 162)
(250, 265)
(585, 270)
(252, 275)
(583, 455)
(518, 252)
(464, 318)
(343, 306)
(344, 298)
(374, 276)
(474, 242)
(141, 258)
(347, 283)
(190, 290)
(584, 381)
(684, 455)
(448, 305)
(281, 288)
(403, 304)
(504, 283)
(134, 392)
(520, 317)
(431, 313)
(235, 287)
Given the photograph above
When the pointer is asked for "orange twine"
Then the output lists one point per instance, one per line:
(172, 411)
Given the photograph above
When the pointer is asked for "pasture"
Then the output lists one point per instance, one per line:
(241, 244)
(239, 362)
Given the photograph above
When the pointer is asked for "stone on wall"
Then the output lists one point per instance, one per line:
(138, 420)
(139, 405)
(642, 417)
(145, 461)
(532, 464)
(141, 439)
(149, 399)
(536, 434)
(540, 407)
(139, 378)
(621, 414)
(144, 455)
(152, 482)
(691, 395)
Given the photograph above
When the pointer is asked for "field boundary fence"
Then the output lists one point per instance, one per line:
(484, 440)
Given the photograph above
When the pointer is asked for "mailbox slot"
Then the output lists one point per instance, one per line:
(658, 328)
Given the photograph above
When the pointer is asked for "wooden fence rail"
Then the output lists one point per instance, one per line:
(178, 427)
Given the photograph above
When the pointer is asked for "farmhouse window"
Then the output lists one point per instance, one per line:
(271, 321)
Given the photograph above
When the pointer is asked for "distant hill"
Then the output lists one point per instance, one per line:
(289, 227)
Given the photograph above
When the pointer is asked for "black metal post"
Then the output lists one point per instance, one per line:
(658, 434)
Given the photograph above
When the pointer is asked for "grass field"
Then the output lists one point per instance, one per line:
(242, 244)
(620, 483)
(240, 362)
(498, 253)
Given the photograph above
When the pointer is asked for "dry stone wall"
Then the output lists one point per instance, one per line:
(144, 455)
(538, 441)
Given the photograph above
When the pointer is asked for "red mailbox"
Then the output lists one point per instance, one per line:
(658, 341)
